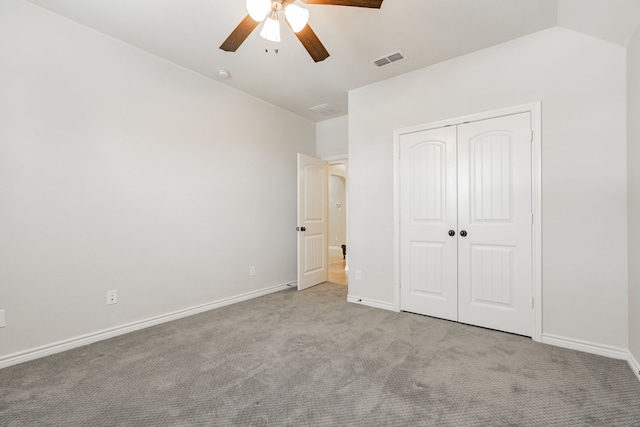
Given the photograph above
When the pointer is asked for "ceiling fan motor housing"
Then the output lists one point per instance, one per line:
(279, 5)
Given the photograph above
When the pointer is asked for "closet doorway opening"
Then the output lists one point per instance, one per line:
(468, 220)
(337, 238)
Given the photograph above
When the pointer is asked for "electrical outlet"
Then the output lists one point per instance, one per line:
(2, 324)
(252, 270)
(358, 274)
(112, 297)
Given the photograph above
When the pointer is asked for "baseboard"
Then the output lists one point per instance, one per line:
(371, 303)
(635, 366)
(586, 346)
(593, 348)
(58, 347)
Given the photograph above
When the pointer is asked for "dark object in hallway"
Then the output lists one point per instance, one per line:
(344, 251)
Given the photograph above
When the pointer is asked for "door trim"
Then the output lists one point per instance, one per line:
(536, 194)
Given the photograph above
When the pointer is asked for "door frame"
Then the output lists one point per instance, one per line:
(536, 194)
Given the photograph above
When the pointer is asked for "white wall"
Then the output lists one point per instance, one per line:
(633, 191)
(119, 170)
(581, 83)
(337, 211)
(611, 20)
(332, 137)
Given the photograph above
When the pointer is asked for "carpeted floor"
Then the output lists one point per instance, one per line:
(310, 358)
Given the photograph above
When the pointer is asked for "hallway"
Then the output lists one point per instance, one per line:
(337, 267)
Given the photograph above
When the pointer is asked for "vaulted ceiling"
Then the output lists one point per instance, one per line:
(189, 33)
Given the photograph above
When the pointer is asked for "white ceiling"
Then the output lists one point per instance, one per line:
(189, 32)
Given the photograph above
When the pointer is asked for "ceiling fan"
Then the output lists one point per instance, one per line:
(296, 17)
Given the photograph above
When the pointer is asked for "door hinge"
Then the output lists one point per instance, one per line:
(531, 136)
(533, 302)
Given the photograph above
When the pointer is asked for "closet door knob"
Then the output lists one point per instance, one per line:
(452, 233)
(463, 233)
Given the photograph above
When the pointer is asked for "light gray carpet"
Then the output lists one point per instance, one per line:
(310, 358)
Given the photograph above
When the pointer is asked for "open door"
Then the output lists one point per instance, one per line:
(312, 221)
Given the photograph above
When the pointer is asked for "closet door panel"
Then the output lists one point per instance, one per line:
(428, 211)
(494, 210)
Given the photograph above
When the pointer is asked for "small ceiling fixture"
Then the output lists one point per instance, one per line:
(324, 109)
(297, 18)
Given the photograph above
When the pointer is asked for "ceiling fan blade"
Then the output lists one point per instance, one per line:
(312, 43)
(374, 4)
(239, 34)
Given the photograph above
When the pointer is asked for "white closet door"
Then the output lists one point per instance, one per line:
(495, 213)
(472, 181)
(428, 211)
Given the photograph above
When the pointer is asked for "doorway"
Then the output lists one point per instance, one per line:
(337, 236)
(468, 240)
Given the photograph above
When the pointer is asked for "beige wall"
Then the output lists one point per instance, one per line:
(581, 83)
(119, 170)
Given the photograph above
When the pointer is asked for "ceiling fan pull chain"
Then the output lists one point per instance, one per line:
(266, 47)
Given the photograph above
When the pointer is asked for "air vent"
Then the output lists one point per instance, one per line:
(324, 109)
(390, 58)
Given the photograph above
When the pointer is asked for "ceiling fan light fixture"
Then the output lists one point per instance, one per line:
(258, 9)
(297, 17)
(271, 28)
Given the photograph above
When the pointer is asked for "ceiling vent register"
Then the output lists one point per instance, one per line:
(390, 58)
(324, 109)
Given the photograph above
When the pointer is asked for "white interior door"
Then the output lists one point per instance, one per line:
(495, 209)
(312, 221)
(466, 223)
(428, 261)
